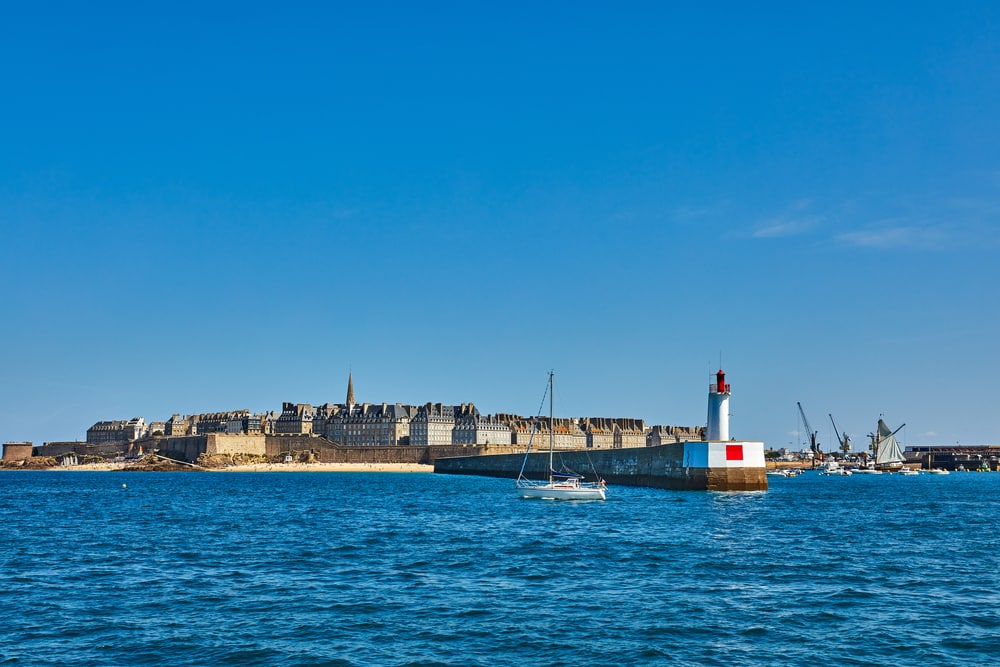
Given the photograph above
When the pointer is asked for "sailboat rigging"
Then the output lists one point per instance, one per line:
(888, 453)
(561, 485)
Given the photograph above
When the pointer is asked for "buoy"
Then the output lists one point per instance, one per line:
(123, 486)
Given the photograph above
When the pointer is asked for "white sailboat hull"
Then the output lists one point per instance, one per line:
(560, 491)
(560, 486)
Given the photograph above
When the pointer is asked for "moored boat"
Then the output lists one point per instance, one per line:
(832, 468)
(561, 485)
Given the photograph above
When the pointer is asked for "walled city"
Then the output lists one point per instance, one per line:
(355, 426)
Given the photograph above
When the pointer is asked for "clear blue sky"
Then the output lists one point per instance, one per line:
(217, 206)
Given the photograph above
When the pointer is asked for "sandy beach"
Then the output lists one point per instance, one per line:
(329, 467)
(274, 467)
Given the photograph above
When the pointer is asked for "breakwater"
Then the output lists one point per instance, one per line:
(711, 466)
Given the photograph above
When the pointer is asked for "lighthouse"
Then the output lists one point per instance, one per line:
(718, 409)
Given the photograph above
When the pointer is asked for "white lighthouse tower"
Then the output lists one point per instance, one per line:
(718, 409)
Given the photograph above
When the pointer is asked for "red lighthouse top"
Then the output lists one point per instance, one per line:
(720, 382)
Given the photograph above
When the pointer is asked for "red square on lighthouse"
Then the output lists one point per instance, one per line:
(734, 452)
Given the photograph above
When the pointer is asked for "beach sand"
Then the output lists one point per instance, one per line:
(275, 467)
(329, 467)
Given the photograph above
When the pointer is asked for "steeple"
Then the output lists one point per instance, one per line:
(350, 388)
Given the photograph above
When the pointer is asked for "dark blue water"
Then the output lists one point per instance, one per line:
(421, 569)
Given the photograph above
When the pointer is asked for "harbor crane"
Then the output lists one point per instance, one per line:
(813, 445)
(843, 439)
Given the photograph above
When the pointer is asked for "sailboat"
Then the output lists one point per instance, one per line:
(560, 485)
(888, 453)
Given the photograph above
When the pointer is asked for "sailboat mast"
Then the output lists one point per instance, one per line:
(551, 422)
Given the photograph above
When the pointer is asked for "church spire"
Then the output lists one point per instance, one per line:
(350, 388)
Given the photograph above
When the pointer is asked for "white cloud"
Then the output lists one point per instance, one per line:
(779, 228)
(896, 236)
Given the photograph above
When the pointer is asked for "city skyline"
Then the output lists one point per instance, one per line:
(240, 204)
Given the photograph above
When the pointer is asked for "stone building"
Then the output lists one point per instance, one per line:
(177, 426)
(472, 428)
(432, 424)
(365, 424)
(267, 422)
(116, 431)
(630, 433)
(237, 422)
(600, 432)
(295, 419)
(523, 430)
(664, 435)
(567, 434)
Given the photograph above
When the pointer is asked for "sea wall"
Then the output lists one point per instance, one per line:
(711, 466)
(185, 448)
(328, 452)
(81, 448)
(232, 443)
(188, 448)
(17, 451)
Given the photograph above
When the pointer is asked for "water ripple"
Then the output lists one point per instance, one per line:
(373, 569)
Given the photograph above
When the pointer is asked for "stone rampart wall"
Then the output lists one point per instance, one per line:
(17, 451)
(289, 443)
(184, 447)
(234, 443)
(81, 449)
(188, 448)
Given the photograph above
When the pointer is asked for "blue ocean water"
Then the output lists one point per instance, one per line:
(113, 568)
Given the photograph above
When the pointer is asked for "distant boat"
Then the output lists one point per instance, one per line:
(909, 472)
(561, 485)
(888, 453)
(789, 472)
(831, 467)
(938, 471)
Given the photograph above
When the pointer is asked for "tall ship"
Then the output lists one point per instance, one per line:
(885, 448)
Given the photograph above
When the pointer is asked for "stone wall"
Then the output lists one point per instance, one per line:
(185, 447)
(658, 467)
(17, 451)
(188, 448)
(235, 443)
(107, 449)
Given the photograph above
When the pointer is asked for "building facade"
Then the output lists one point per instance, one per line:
(295, 419)
(365, 424)
(664, 435)
(119, 430)
(236, 421)
(473, 428)
(432, 424)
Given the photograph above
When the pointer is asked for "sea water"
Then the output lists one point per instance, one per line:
(113, 568)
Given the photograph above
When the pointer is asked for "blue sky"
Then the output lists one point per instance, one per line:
(229, 206)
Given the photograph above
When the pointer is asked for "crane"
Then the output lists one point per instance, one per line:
(813, 445)
(843, 439)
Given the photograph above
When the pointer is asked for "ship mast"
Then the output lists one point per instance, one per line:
(551, 424)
